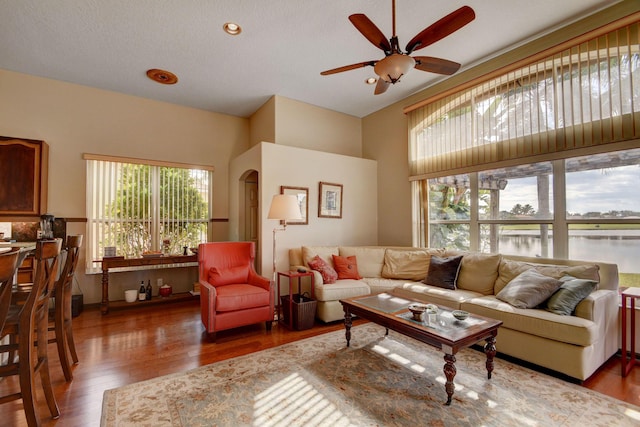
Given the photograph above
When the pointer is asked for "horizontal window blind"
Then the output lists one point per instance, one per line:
(584, 96)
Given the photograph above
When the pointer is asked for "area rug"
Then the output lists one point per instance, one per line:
(378, 381)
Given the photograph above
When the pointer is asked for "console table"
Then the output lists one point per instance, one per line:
(126, 263)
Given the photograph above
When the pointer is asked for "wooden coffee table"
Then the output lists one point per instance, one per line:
(445, 333)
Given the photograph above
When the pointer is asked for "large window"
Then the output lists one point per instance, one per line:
(538, 159)
(511, 210)
(141, 207)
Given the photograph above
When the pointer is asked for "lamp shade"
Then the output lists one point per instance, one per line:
(284, 207)
(391, 68)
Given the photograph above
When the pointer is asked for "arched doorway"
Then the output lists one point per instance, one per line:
(249, 211)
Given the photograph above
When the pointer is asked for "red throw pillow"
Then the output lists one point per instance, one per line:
(347, 267)
(329, 275)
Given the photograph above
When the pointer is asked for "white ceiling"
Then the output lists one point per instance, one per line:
(284, 45)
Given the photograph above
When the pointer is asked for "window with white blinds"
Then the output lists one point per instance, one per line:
(583, 96)
(140, 206)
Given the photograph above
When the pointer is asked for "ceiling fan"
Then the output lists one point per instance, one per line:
(396, 63)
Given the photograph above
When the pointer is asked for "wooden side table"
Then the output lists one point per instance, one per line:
(629, 294)
(293, 275)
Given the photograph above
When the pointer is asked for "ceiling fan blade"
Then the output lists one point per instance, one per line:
(370, 31)
(348, 67)
(381, 86)
(436, 65)
(442, 28)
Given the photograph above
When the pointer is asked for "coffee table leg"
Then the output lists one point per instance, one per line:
(449, 372)
(347, 325)
(490, 351)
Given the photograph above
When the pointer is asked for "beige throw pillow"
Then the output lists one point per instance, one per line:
(409, 265)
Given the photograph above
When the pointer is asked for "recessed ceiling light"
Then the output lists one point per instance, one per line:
(162, 76)
(232, 28)
(371, 80)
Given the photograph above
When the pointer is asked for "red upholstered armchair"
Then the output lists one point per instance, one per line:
(232, 294)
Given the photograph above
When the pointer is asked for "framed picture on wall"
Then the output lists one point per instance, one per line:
(302, 195)
(330, 200)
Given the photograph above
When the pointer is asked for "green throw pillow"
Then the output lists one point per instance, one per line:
(572, 291)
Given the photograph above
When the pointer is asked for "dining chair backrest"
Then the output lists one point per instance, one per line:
(47, 259)
(72, 248)
(8, 267)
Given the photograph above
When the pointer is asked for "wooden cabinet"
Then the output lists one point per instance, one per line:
(24, 171)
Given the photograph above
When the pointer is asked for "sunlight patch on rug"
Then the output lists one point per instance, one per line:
(295, 400)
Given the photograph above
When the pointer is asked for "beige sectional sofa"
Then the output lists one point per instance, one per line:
(575, 345)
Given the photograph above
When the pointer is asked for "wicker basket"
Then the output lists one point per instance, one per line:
(304, 311)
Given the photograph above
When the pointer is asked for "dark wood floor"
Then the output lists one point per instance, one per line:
(127, 346)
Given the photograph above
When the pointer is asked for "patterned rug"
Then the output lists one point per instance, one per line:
(378, 381)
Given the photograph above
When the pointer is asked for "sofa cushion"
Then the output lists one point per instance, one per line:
(478, 272)
(241, 297)
(346, 267)
(341, 289)
(443, 272)
(569, 329)
(324, 252)
(433, 294)
(529, 289)
(380, 284)
(405, 264)
(370, 259)
(509, 269)
(571, 292)
(329, 275)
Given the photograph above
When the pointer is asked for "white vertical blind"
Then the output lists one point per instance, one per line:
(137, 206)
(583, 96)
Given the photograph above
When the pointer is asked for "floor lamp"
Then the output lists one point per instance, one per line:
(283, 207)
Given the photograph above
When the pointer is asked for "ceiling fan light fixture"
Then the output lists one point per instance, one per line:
(371, 80)
(232, 28)
(394, 66)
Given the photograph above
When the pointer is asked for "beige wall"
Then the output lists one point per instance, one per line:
(306, 126)
(75, 119)
(262, 123)
(385, 137)
(307, 168)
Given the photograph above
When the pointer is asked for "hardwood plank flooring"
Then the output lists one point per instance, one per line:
(127, 346)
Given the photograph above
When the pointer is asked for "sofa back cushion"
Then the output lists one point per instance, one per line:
(324, 252)
(406, 264)
(478, 271)
(370, 259)
(509, 269)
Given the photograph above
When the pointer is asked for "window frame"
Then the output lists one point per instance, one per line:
(94, 252)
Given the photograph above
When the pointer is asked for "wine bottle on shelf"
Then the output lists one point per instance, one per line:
(149, 291)
(142, 293)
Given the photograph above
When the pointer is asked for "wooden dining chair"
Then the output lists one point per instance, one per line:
(61, 324)
(27, 324)
(8, 267)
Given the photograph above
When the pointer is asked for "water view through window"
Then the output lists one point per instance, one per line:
(516, 212)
